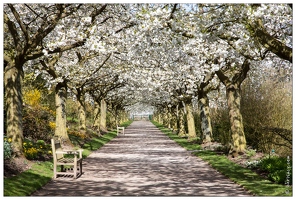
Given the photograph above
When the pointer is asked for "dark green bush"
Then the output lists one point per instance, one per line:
(37, 150)
(7, 148)
(279, 169)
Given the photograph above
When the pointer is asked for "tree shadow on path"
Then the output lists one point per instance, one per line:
(143, 162)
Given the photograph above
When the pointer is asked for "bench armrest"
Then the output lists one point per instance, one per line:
(73, 152)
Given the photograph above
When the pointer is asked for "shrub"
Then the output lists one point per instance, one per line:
(36, 123)
(251, 152)
(32, 97)
(31, 153)
(277, 168)
(7, 148)
(77, 134)
(36, 150)
(37, 119)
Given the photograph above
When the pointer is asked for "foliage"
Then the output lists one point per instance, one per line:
(71, 110)
(38, 124)
(221, 126)
(32, 97)
(267, 111)
(36, 150)
(7, 148)
(250, 152)
(77, 134)
(253, 164)
(197, 124)
(37, 119)
(277, 168)
(155, 53)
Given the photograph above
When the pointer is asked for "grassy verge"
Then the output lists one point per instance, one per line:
(250, 180)
(24, 184)
(29, 181)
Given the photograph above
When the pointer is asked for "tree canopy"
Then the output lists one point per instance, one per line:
(137, 55)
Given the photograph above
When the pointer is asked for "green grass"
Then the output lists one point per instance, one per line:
(250, 180)
(25, 183)
(29, 181)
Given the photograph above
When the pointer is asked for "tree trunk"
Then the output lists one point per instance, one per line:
(169, 118)
(205, 118)
(238, 143)
(97, 119)
(61, 119)
(13, 78)
(182, 132)
(81, 115)
(190, 122)
(160, 118)
(165, 118)
(236, 120)
(175, 116)
(114, 120)
(103, 121)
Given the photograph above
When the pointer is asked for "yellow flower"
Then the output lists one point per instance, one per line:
(9, 139)
(52, 125)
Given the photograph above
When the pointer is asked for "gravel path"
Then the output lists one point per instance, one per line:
(143, 162)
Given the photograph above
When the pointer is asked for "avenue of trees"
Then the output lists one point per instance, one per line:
(211, 72)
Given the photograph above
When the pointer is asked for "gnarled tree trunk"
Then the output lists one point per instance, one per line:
(190, 122)
(13, 78)
(97, 119)
(236, 119)
(169, 118)
(160, 118)
(61, 119)
(238, 143)
(103, 118)
(182, 132)
(81, 115)
(205, 119)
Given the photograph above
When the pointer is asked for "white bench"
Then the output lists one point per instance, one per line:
(120, 129)
(59, 159)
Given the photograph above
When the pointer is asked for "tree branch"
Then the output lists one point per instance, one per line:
(241, 75)
(271, 43)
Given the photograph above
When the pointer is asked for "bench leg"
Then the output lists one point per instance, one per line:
(80, 168)
(75, 170)
(54, 171)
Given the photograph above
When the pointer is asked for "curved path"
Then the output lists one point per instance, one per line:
(143, 162)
